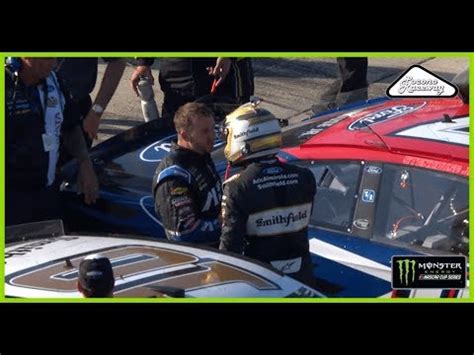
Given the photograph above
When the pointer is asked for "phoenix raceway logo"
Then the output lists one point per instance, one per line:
(420, 82)
(428, 272)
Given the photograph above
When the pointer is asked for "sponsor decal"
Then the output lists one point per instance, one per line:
(428, 272)
(406, 270)
(185, 212)
(179, 172)
(288, 266)
(383, 115)
(158, 150)
(181, 201)
(279, 221)
(140, 266)
(52, 102)
(361, 223)
(246, 133)
(311, 132)
(276, 181)
(155, 152)
(285, 220)
(420, 82)
(368, 195)
(179, 191)
(273, 170)
(213, 198)
(211, 226)
(189, 222)
(303, 292)
(322, 126)
(370, 169)
(436, 165)
(28, 248)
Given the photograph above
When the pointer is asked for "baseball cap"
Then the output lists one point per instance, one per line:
(96, 275)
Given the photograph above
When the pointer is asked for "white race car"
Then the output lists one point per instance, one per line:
(42, 262)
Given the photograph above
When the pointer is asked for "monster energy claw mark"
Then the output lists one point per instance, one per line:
(404, 268)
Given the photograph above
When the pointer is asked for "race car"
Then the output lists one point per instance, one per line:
(42, 262)
(392, 179)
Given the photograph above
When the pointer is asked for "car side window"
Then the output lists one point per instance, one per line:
(423, 208)
(336, 184)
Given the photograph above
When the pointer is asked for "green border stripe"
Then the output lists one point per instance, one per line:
(470, 55)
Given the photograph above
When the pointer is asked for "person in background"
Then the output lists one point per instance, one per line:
(240, 78)
(96, 277)
(39, 117)
(186, 186)
(184, 80)
(266, 207)
(350, 87)
(79, 76)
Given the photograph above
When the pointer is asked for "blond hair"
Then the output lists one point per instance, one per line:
(182, 117)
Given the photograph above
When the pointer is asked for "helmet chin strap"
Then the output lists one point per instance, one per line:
(227, 171)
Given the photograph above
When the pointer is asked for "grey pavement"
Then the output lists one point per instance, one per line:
(288, 86)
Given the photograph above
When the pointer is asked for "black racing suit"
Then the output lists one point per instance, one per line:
(188, 191)
(184, 80)
(266, 209)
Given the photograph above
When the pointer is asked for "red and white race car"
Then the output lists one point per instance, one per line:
(392, 179)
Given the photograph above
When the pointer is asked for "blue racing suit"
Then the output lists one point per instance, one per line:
(188, 191)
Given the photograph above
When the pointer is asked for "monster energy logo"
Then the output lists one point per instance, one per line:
(406, 267)
(428, 271)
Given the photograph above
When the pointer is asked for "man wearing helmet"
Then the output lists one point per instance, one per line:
(186, 186)
(266, 207)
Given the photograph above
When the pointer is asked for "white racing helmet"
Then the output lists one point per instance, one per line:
(251, 132)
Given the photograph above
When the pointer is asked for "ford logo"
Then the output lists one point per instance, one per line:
(373, 170)
(382, 115)
(361, 223)
(158, 150)
(273, 170)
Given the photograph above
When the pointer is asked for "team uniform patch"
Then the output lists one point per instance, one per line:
(179, 190)
(181, 201)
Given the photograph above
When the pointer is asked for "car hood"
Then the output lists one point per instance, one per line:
(47, 268)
